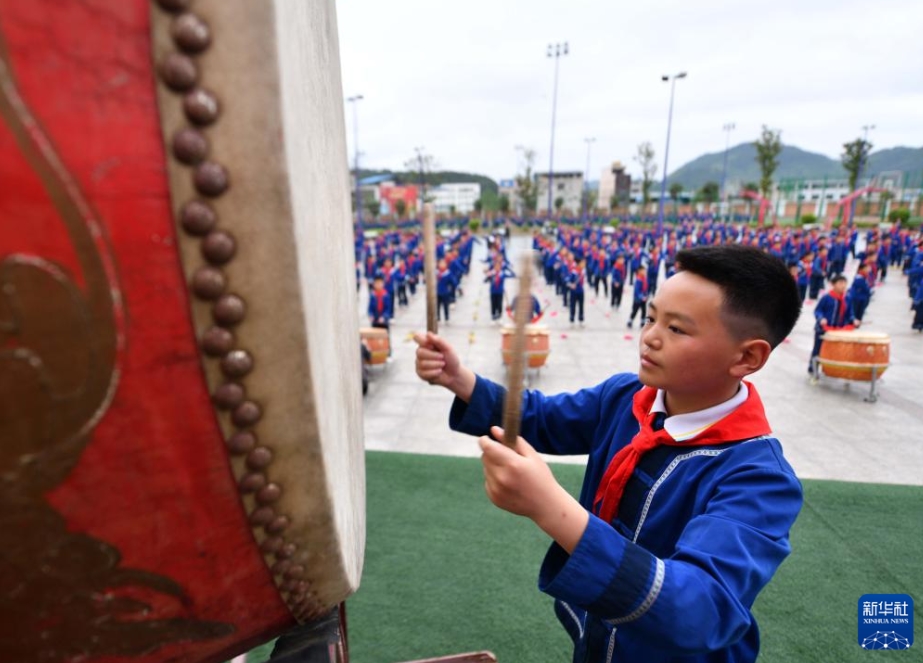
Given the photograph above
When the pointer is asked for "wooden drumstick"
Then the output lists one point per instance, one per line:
(429, 267)
(521, 315)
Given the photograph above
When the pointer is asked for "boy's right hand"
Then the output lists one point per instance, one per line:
(438, 363)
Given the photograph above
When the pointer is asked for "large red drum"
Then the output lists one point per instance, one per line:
(377, 341)
(855, 355)
(181, 457)
(537, 347)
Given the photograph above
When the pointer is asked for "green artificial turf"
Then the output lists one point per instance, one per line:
(447, 572)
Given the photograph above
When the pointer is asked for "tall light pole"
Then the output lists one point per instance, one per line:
(354, 100)
(520, 205)
(419, 151)
(555, 51)
(586, 181)
(865, 139)
(727, 128)
(666, 152)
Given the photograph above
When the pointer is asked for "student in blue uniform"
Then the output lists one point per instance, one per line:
(917, 305)
(833, 311)
(859, 292)
(445, 285)
(576, 282)
(537, 312)
(687, 500)
(381, 307)
(618, 282)
(639, 299)
(496, 275)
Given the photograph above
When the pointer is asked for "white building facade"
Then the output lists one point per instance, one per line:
(457, 198)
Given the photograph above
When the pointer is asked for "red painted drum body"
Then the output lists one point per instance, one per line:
(538, 345)
(181, 464)
(855, 355)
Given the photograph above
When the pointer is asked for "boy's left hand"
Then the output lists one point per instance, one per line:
(520, 481)
(517, 480)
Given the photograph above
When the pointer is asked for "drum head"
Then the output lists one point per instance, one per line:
(179, 372)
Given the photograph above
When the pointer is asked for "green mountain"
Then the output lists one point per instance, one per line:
(793, 163)
(907, 159)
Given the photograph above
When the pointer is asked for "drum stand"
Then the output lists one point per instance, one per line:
(324, 640)
(817, 362)
(529, 374)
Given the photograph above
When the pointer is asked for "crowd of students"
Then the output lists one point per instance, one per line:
(630, 260)
(633, 255)
(392, 264)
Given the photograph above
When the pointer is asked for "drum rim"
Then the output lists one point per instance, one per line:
(879, 338)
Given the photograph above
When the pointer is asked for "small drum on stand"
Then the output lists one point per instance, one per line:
(376, 340)
(855, 355)
(537, 345)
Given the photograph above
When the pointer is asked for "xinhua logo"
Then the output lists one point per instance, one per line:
(885, 621)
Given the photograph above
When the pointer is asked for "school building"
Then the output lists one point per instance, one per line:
(568, 186)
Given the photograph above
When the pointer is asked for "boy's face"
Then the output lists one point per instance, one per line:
(686, 348)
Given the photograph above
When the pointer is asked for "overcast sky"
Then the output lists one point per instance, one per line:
(468, 81)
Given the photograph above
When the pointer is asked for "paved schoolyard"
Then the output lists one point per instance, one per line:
(828, 430)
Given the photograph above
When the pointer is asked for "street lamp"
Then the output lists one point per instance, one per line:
(727, 128)
(354, 100)
(666, 152)
(586, 181)
(419, 151)
(865, 139)
(520, 211)
(555, 51)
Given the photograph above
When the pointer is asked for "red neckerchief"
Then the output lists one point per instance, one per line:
(380, 301)
(643, 281)
(840, 310)
(747, 421)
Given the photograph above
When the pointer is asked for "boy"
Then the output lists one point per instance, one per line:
(818, 273)
(618, 281)
(679, 524)
(445, 285)
(496, 275)
(860, 294)
(833, 311)
(639, 298)
(381, 308)
(575, 282)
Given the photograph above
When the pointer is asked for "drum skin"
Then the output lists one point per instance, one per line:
(854, 355)
(537, 345)
(130, 530)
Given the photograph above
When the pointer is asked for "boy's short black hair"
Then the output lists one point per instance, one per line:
(836, 278)
(761, 298)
